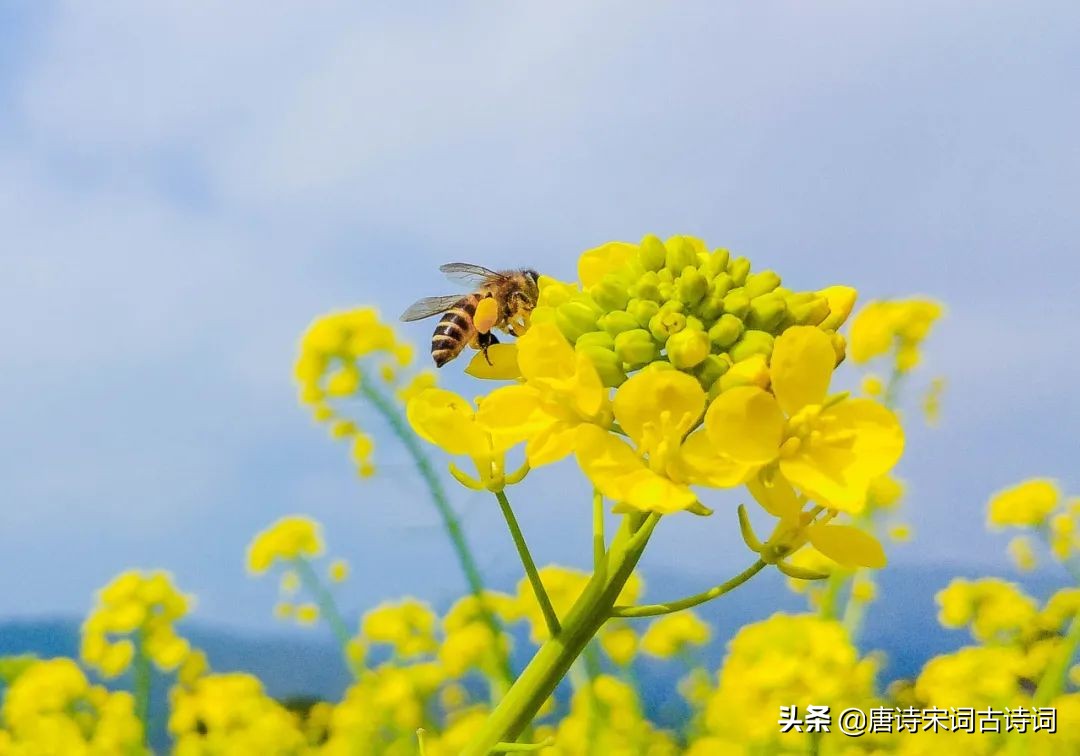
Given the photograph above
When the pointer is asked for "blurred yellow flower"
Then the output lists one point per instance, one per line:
(338, 571)
(1026, 504)
(1022, 553)
(672, 634)
(407, 625)
(287, 539)
(898, 324)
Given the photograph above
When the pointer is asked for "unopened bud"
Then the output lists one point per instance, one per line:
(687, 348)
(719, 259)
(691, 286)
(751, 372)
(841, 300)
(766, 312)
(647, 287)
(694, 323)
(680, 254)
(665, 323)
(840, 346)
(710, 308)
(601, 339)
(737, 303)
(739, 268)
(752, 343)
(575, 319)
(810, 313)
(711, 368)
(651, 253)
(607, 364)
(617, 322)
(726, 331)
(761, 283)
(610, 293)
(643, 310)
(721, 285)
(636, 347)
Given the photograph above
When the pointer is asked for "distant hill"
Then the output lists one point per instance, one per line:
(902, 624)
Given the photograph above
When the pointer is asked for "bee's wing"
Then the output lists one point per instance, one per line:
(428, 306)
(470, 274)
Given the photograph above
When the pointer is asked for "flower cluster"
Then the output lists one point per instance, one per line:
(898, 326)
(334, 353)
(51, 708)
(722, 378)
(135, 613)
(1037, 508)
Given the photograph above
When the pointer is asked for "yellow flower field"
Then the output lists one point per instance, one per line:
(679, 382)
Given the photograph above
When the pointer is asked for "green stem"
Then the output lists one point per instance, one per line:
(451, 524)
(328, 608)
(527, 562)
(599, 547)
(143, 676)
(551, 662)
(653, 610)
(1053, 679)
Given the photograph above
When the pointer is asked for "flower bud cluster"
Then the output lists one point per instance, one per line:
(679, 304)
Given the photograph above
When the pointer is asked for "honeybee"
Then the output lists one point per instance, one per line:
(514, 291)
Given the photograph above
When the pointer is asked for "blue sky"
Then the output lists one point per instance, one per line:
(184, 186)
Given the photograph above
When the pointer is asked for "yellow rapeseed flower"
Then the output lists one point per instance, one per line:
(898, 324)
(287, 539)
(831, 449)
(672, 634)
(1025, 504)
(407, 625)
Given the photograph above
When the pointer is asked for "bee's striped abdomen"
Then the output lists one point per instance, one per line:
(454, 331)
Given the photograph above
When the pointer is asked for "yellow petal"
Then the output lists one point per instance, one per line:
(590, 394)
(802, 363)
(511, 414)
(642, 398)
(551, 443)
(847, 546)
(777, 497)
(543, 352)
(702, 465)
(503, 367)
(829, 476)
(746, 425)
(620, 474)
(878, 436)
(448, 421)
(595, 263)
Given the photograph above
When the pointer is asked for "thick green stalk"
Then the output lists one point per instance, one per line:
(552, 661)
(550, 618)
(451, 524)
(1053, 679)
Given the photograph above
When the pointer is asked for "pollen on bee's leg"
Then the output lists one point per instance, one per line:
(486, 315)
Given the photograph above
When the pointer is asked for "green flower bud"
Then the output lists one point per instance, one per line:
(610, 293)
(710, 370)
(575, 318)
(711, 308)
(737, 303)
(595, 339)
(636, 347)
(766, 312)
(751, 343)
(617, 322)
(694, 324)
(721, 257)
(739, 268)
(673, 305)
(667, 291)
(691, 286)
(721, 285)
(687, 348)
(761, 283)
(651, 253)
(647, 287)
(726, 331)
(607, 363)
(665, 323)
(810, 313)
(643, 310)
(665, 276)
(680, 254)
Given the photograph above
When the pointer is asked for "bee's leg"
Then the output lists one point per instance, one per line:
(485, 340)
